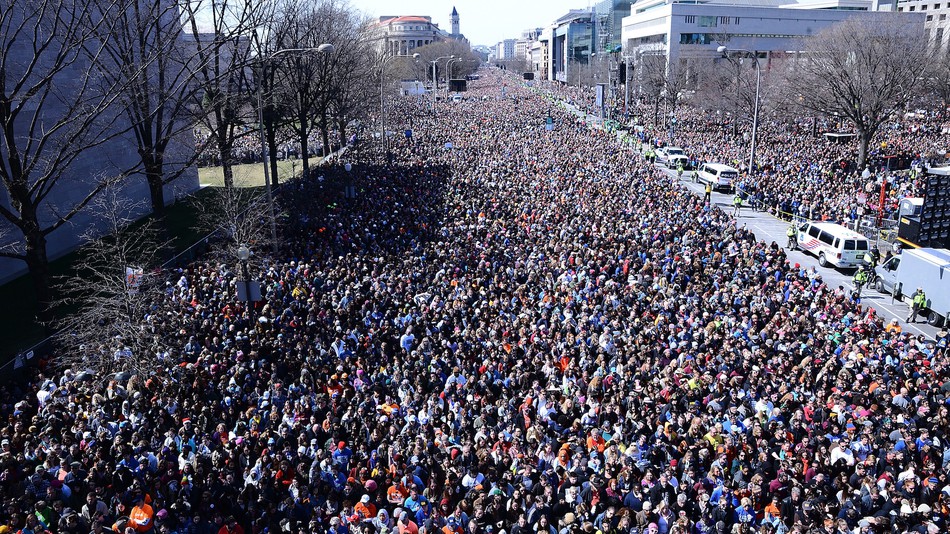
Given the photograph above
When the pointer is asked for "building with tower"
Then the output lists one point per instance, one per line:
(400, 35)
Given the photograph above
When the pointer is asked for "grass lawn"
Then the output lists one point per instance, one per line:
(252, 174)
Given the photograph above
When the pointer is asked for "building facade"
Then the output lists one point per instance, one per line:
(935, 15)
(401, 35)
(686, 30)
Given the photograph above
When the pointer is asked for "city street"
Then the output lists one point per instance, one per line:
(768, 228)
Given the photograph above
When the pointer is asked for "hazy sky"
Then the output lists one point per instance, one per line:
(484, 22)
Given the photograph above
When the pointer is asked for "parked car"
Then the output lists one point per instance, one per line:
(833, 244)
(663, 154)
(717, 175)
(675, 160)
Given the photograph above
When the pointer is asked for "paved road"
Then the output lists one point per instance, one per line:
(769, 228)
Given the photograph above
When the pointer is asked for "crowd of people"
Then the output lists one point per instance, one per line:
(799, 173)
(509, 329)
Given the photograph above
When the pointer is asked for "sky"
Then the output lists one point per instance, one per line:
(483, 22)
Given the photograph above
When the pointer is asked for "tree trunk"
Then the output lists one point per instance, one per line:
(325, 135)
(156, 187)
(37, 262)
(341, 124)
(271, 134)
(224, 150)
(304, 147)
(269, 116)
(864, 139)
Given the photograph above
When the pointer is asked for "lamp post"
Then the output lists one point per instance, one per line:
(325, 48)
(382, 107)
(349, 190)
(626, 86)
(244, 254)
(449, 68)
(435, 78)
(755, 109)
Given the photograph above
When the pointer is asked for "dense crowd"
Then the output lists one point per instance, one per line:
(509, 329)
(800, 172)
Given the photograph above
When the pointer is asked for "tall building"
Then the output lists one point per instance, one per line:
(680, 30)
(569, 43)
(400, 35)
(935, 21)
(608, 19)
(455, 22)
(505, 50)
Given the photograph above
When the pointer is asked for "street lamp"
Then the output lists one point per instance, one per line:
(244, 254)
(448, 68)
(435, 79)
(349, 190)
(755, 109)
(382, 108)
(325, 48)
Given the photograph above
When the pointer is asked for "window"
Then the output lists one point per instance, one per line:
(813, 231)
(735, 20)
(930, 18)
(862, 244)
(943, 16)
(690, 19)
(911, 8)
(849, 244)
(923, 7)
(723, 20)
(707, 22)
(825, 238)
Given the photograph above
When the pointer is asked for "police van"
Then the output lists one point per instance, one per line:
(717, 175)
(833, 244)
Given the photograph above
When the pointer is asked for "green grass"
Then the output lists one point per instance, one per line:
(252, 174)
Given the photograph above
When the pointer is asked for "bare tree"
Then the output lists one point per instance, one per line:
(54, 109)
(304, 75)
(111, 325)
(349, 94)
(862, 69)
(938, 75)
(241, 216)
(221, 60)
(275, 112)
(145, 55)
(651, 77)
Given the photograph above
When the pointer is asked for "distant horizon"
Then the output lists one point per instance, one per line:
(483, 22)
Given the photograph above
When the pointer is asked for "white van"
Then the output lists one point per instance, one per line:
(718, 175)
(833, 244)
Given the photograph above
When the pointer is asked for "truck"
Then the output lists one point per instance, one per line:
(926, 268)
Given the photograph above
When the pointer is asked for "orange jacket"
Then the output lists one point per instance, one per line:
(140, 518)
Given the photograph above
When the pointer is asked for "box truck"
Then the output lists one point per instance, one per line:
(927, 268)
